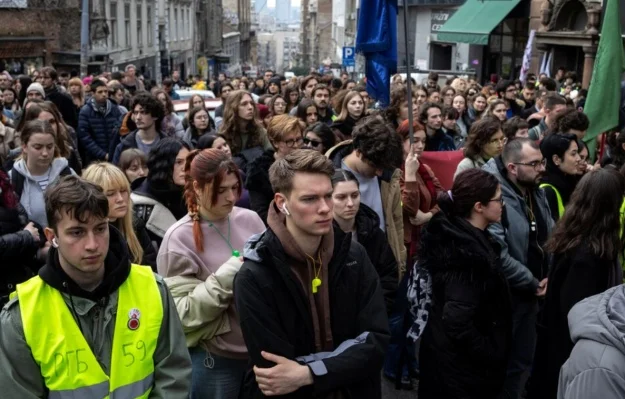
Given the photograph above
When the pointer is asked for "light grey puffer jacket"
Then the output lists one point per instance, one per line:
(596, 367)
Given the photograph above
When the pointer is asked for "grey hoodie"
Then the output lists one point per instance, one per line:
(32, 196)
(596, 367)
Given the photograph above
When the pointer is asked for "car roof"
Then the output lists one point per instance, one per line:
(187, 93)
(183, 105)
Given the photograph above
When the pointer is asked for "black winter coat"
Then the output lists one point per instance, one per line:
(275, 317)
(465, 345)
(65, 104)
(373, 239)
(574, 276)
(18, 250)
(565, 184)
(96, 131)
(258, 185)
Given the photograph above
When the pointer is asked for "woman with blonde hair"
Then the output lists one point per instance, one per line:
(460, 85)
(352, 110)
(77, 90)
(117, 190)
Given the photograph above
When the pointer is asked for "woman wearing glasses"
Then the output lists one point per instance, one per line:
(465, 346)
(199, 125)
(562, 172)
(319, 137)
(485, 141)
(285, 134)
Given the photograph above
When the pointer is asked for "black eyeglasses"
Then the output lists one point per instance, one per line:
(533, 164)
(313, 143)
(293, 142)
(500, 200)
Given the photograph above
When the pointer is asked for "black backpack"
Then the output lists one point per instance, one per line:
(17, 180)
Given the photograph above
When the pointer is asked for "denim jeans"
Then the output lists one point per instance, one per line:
(215, 377)
(524, 317)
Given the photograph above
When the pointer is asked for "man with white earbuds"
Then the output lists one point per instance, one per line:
(91, 324)
(310, 304)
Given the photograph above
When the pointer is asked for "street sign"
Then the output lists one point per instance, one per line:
(349, 56)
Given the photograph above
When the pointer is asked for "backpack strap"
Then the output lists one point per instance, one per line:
(17, 181)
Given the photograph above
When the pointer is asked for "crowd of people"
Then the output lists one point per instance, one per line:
(294, 242)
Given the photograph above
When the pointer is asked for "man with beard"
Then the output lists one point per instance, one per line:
(321, 98)
(525, 226)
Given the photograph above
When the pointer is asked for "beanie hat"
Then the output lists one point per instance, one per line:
(36, 87)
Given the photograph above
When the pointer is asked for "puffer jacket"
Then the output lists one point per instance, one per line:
(96, 130)
(596, 367)
(372, 238)
(95, 312)
(18, 250)
(390, 191)
(465, 345)
(514, 236)
(275, 317)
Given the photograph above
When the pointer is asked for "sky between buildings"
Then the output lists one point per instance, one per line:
(272, 3)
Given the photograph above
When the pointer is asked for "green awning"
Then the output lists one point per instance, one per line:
(474, 21)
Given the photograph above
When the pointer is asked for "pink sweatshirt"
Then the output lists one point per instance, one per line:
(179, 257)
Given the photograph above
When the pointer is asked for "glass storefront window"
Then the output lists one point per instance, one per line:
(506, 65)
(507, 44)
(495, 43)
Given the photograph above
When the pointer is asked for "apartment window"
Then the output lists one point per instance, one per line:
(127, 23)
(113, 19)
(150, 27)
(188, 23)
(139, 26)
(175, 24)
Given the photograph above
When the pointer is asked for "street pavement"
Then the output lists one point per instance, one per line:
(389, 391)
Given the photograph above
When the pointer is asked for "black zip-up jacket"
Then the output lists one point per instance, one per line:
(275, 317)
(373, 239)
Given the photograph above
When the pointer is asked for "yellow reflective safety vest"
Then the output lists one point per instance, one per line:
(558, 198)
(68, 366)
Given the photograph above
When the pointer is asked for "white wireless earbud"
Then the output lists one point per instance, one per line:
(285, 210)
(55, 243)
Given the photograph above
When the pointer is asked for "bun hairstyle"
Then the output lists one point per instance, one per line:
(208, 166)
(470, 186)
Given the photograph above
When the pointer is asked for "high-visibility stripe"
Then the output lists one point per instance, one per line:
(134, 390)
(97, 391)
(100, 391)
(558, 198)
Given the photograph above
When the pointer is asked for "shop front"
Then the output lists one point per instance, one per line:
(497, 32)
(22, 55)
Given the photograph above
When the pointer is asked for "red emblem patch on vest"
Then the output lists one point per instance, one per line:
(133, 319)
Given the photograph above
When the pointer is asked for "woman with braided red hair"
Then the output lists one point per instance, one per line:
(199, 257)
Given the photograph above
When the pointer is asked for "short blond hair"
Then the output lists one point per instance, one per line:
(281, 125)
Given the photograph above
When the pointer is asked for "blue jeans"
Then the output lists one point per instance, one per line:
(215, 377)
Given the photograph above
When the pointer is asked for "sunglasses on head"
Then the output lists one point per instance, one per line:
(314, 143)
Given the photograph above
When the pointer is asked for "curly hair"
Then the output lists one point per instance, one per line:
(152, 106)
(377, 142)
(570, 119)
(231, 125)
(161, 162)
(480, 134)
(399, 96)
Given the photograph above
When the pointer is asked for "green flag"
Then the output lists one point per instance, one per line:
(604, 94)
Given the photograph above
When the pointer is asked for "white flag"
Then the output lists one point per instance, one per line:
(527, 57)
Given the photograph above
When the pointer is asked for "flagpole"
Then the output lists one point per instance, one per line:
(408, 76)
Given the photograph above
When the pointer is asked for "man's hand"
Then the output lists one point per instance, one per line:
(542, 288)
(285, 377)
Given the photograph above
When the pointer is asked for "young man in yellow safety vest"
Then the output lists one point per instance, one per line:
(91, 324)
